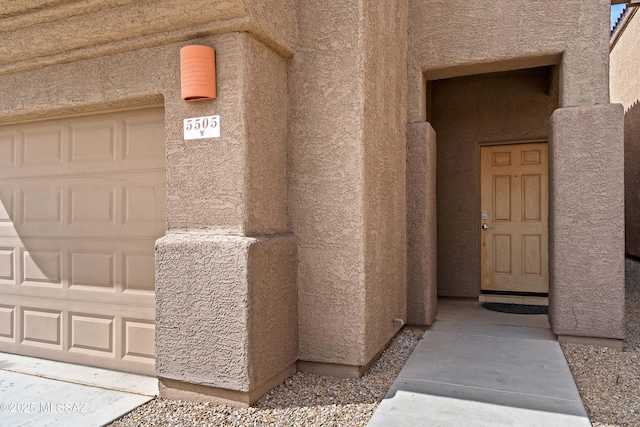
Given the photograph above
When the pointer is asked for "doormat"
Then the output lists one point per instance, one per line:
(516, 308)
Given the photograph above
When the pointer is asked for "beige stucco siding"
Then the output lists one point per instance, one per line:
(384, 140)
(586, 222)
(457, 37)
(37, 34)
(625, 67)
(422, 292)
(625, 89)
(325, 180)
(346, 177)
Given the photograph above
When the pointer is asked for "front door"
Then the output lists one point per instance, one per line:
(514, 218)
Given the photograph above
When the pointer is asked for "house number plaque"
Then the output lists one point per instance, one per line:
(202, 127)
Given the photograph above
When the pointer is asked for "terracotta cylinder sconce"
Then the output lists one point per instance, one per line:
(198, 73)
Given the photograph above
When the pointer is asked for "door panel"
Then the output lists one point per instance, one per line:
(514, 237)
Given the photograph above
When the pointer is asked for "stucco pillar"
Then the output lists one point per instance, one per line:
(347, 199)
(422, 291)
(586, 222)
(225, 271)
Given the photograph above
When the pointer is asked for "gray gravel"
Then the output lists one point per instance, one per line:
(302, 400)
(608, 380)
(632, 312)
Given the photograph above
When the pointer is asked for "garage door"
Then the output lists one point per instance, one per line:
(82, 201)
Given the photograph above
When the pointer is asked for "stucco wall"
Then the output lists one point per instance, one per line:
(586, 222)
(466, 111)
(384, 140)
(422, 259)
(625, 67)
(226, 312)
(346, 176)
(625, 89)
(457, 37)
(38, 33)
(325, 181)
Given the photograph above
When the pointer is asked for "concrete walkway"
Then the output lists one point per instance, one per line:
(476, 367)
(37, 392)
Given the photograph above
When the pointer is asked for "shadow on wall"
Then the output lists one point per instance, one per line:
(632, 179)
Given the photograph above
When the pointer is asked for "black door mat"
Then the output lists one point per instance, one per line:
(516, 308)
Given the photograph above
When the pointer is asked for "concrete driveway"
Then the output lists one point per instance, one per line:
(37, 392)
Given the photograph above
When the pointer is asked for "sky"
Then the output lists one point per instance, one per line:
(615, 12)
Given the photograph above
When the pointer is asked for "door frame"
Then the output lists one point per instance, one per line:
(478, 220)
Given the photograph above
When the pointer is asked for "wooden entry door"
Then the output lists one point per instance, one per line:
(514, 201)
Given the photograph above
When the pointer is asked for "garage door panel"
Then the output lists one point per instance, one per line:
(7, 323)
(41, 205)
(92, 203)
(7, 203)
(82, 202)
(92, 334)
(137, 132)
(108, 335)
(129, 205)
(43, 268)
(93, 141)
(142, 204)
(138, 272)
(7, 265)
(139, 340)
(41, 327)
(8, 144)
(108, 270)
(42, 146)
(110, 143)
(92, 271)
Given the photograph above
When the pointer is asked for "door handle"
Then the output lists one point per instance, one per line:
(485, 227)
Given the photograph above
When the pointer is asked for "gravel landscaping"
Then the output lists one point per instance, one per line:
(302, 400)
(608, 381)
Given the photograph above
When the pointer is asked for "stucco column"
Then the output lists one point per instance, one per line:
(347, 200)
(225, 271)
(422, 291)
(586, 222)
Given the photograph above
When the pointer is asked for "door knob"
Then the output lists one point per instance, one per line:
(485, 227)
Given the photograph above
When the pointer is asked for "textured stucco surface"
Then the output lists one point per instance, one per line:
(586, 222)
(265, 109)
(625, 67)
(325, 182)
(235, 184)
(226, 309)
(274, 20)
(449, 38)
(384, 141)
(498, 107)
(422, 290)
(346, 176)
(625, 89)
(34, 35)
